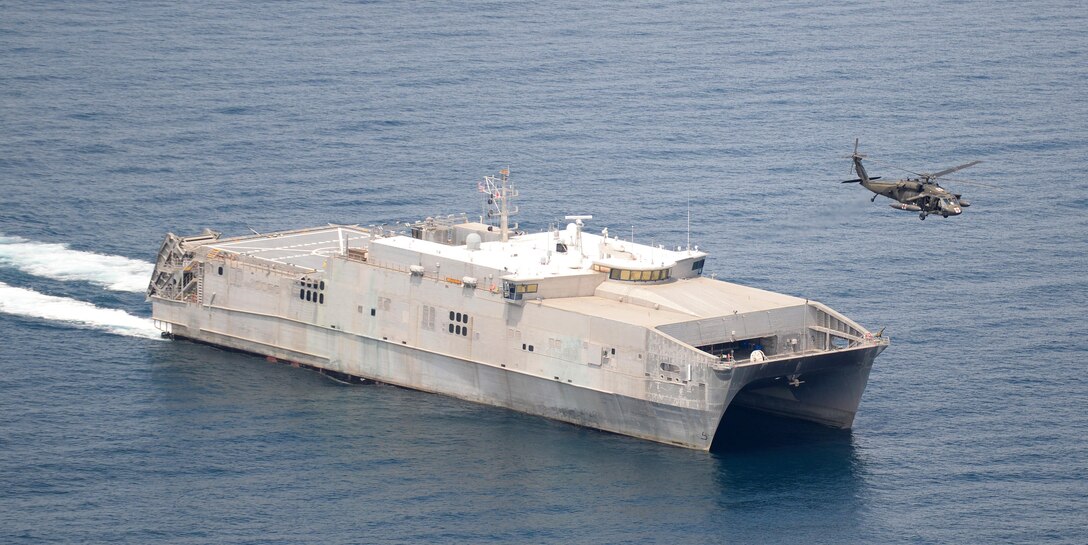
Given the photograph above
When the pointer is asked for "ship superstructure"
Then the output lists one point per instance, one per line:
(581, 327)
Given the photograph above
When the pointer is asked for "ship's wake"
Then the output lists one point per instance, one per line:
(24, 302)
(59, 262)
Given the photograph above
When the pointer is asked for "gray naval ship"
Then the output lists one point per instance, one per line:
(584, 328)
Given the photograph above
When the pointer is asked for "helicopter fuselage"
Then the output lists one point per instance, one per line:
(918, 195)
(929, 198)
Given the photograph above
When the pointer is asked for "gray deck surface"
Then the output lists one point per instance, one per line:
(308, 248)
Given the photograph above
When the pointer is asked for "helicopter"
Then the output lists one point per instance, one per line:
(921, 194)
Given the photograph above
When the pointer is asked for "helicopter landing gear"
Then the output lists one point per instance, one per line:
(873, 199)
(922, 216)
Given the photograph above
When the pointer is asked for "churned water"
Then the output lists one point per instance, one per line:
(121, 121)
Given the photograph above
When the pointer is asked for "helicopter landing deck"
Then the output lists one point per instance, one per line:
(307, 248)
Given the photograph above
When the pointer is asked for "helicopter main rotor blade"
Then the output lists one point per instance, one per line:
(953, 169)
(970, 182)
(898, 168)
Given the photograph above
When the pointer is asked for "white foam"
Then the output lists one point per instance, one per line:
(24, 302)
(58, 262)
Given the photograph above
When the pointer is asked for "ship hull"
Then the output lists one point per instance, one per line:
(348, 355)
(824, 388)
(491, 385)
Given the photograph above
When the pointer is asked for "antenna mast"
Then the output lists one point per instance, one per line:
(499, 192)
(689, 224)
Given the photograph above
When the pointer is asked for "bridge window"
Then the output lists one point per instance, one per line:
(517, 291)
(628, 275)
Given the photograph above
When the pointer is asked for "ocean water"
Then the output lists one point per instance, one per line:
(121, 121)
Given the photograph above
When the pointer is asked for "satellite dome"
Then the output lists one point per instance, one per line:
(473, 241)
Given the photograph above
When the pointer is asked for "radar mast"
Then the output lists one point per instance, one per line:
(499, 192)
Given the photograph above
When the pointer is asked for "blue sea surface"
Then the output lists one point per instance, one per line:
(121, 121)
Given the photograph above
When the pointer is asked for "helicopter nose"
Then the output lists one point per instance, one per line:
(951, 207)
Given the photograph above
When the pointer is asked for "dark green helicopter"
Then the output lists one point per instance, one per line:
(922, 194)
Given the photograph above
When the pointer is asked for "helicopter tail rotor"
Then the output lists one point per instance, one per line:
(856, 155)
(855, 166)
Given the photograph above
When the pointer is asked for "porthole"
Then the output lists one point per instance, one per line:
(457, 330)
(321, 298)
(321, 285)
(220, 270)
(451, 328)
(302, 294)
(451, 315)
(308, 295)
(464, 332)
(458, 317)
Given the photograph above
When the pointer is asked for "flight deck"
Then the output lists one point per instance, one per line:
(306, 248)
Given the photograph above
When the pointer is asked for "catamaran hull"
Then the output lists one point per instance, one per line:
(829, 394)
